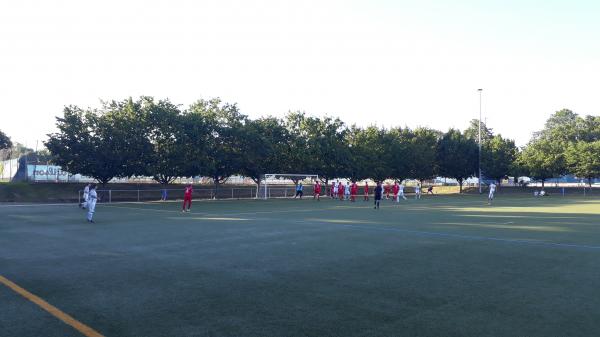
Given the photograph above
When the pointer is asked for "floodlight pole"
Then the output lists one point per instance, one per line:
(479, 140)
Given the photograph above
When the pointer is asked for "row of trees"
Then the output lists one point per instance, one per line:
(568, 144)
(148, 137)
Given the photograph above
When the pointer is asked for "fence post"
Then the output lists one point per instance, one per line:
(79, 197)
(109, 196)
(138, 191)
(232, 192)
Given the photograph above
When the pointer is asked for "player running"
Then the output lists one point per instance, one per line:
(430, 189)
(187, 198)
(340, 191)
(91, 202)
(299, 191)
(395, 190)
(378, 195)
(400, 193)
(366, 198)
(317, 191)
(418, 191)
(387, 188)
(491, 194)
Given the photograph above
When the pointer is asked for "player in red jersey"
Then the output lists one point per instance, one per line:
(366, 191)
(332, 191)
(387, 189)
(187, 198)
(340, 191)
(317, 191)
(396, 189)
(353, 191)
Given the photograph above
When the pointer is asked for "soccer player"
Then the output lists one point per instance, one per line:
(387, 190)
(187, 198)
(418, 191)
(91, 202)
(430, 189)
(378, 194)
(366, 191)
(86, 194)
(317, 191)
(332, 190)
(353, 191)
(340, 191)
(400, 193)
(299, 191)
(336, 186)
(347, 191)
(395, 190)
(491, 194)
(163, 194)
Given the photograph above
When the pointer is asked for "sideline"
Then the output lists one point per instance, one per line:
(54, 311)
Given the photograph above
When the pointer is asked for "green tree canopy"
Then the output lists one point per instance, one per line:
(5, 142)
(472, 131)
(457, 156)
(223, 156)
(423, 153)
(543, 159)
(498, 157)
(266, 144)
(583, 159)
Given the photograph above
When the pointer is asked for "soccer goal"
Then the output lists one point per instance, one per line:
(277, 185)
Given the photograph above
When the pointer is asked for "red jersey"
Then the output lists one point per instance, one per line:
(188, 192)
(386, 188)
(366, 188)
(396, 189)
(354, 189)
(317, 188)
(340, 189)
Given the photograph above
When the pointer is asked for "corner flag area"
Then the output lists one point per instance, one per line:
(439, 266)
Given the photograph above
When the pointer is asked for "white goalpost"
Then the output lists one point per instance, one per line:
(276, 185)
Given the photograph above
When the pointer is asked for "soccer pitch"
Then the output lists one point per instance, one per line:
(440, 266)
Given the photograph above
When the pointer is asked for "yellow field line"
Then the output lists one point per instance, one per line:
(54, 311)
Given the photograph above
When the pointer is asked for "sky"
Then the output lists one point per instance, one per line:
(385, 63)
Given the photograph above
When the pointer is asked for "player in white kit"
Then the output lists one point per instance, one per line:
(347, 191)
(418, 191)
(491, 194)
(92, 199)
(400, 193)
(86, 194)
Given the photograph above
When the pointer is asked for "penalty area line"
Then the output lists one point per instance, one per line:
(54, 311)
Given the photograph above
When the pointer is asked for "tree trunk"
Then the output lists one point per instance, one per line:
(590, 181)
(543, 181)
(460, 182)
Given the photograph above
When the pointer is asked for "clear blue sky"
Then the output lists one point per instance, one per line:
(370, 62)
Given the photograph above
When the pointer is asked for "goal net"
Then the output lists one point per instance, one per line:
(283, 185)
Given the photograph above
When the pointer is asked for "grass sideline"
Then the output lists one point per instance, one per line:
(441, 266)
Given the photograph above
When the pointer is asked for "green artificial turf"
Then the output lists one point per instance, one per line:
(441, 266)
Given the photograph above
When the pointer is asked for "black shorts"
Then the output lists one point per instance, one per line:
(299, 193)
